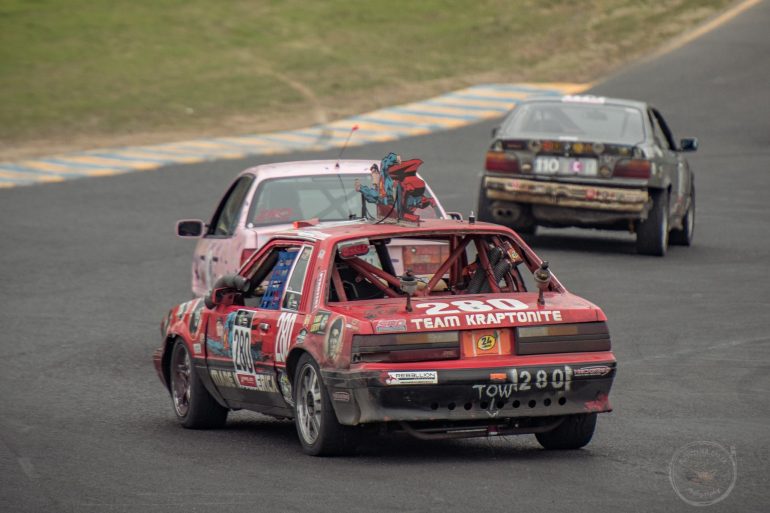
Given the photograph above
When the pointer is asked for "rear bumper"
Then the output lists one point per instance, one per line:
(470, 394)
(568, 195)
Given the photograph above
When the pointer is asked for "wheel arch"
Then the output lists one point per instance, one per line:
(291, 361)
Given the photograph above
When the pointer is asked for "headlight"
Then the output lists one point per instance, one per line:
(407, 347)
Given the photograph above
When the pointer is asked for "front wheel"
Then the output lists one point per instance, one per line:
(652, 233)
(575, 432)
(193, 405)
(319, 431)
(684, 236)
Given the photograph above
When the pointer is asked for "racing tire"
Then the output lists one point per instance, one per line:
(684, 236)
(194, 406)
(575, 432)
(318, 429)
(652, 233)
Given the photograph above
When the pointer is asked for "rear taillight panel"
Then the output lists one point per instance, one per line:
(562, 338)
(502, 161)
(407, 347)
(633, 168)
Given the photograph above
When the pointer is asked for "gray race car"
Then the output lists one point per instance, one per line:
(590, 162)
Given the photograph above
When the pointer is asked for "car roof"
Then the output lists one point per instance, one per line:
(310, 167)
(334, 232)
(587, 100)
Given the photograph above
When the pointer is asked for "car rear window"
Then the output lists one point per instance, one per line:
(328, 198)
(585, 122)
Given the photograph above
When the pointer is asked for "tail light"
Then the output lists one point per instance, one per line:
(501, 161)
(562, 338)
(246, 254)
(407, 347)
(633, 168)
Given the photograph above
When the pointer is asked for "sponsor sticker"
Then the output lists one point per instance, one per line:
(341, 397)
(593, 371)
(486, 342)
(390, 325)
(412, 378)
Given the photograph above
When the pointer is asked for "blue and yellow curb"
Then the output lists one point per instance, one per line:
(452, 110)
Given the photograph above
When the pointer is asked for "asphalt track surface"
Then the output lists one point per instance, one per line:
(88, 268)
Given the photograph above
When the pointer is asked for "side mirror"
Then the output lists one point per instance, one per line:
(189, 228)
(224, 288)
(455, 216)
(494, 131)
(688, 144)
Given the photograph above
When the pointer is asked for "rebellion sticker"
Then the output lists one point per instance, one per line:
(412, 378)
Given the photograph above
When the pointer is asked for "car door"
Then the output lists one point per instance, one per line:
(665, 156)
(212, 254)
(680, 175)
(248, 342)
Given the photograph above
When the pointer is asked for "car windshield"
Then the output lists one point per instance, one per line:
(575, 121)
(326, 197)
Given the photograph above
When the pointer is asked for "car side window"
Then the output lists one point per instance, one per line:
(277, 281)
(226, 216)
(661, 132)
(664, 128)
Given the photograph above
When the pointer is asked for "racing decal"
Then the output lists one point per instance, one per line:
(593, 371)
(319, 322)
(486, 343)
(256, 381)
(503, 318)
(285, 325)
(412, 378)
(197, 349)
(181, 309)
(318, 284)
(341, 397)
(195, 317)
(334, 339)
(312, 234)
(524, 380)
(471, 305)
(584, 98)
(240, 337)
(285, 386)
(390, 325)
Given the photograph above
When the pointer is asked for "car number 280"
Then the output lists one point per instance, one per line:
(523, 380)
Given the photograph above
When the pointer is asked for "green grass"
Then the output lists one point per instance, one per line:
(86, 70)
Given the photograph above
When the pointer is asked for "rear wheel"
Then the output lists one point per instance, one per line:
(319, 431)
(193, 405)
(684, 236)
(575, 432)
(652, 233)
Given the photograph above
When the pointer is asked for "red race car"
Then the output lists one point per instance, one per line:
(317, 326)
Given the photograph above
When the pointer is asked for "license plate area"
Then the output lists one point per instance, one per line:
(565, 166)
(487, 342)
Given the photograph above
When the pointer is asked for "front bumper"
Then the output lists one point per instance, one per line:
(568, 195)
(361, 397)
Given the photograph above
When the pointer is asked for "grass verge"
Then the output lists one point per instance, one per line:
(85, 73)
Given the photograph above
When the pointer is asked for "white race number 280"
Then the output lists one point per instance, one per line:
(471, 305)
